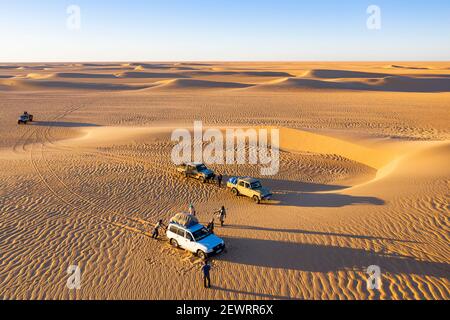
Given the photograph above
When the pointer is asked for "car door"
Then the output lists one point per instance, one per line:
(247, 191)
(189, 241)
(241, 187)
(175, 233)
(190, 170)
(182, 241)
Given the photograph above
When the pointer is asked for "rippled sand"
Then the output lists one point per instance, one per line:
(364, 180)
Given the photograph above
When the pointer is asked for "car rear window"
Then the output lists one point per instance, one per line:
(180, 232)
(173, 229)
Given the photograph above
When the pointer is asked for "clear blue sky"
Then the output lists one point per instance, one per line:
(174, 30)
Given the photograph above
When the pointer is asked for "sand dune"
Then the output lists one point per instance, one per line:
(64, 85)
(334, 74)
(143, 66)
(38, 76)
(8, 67)
(407, 67)
(150, 75)
(187, 84)
(390, 84)
(77, 75)
(321, 144)
(240, 73)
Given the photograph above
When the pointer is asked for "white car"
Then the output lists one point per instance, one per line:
(196, 239)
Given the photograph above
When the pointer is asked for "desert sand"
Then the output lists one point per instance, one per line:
(364, 179)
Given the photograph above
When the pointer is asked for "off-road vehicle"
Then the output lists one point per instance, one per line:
(249, 187)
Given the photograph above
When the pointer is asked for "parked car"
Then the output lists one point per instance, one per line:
(249, 187)
(25, 118)
(197, 171)
(184, 231)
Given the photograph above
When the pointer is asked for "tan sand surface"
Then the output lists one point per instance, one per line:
(364, 179)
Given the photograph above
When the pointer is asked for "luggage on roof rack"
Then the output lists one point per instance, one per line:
(184, 219)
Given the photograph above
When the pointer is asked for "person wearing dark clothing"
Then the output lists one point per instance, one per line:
(155, 234)
(219, 180)
(210, 226)
(206, 268)
(222, 215)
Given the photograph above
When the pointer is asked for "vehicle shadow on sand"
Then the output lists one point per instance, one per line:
(323, 258)
(304, 194)
(324, 200)
(292, 186)
(318, 233)
(64, 124)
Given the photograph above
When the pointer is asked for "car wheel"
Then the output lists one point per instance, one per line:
(235, 192)
(174, 243)
(202, 179)
(256, 199)
(201, 255)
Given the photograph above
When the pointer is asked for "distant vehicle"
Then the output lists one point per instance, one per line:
(184, 231)
(197, 171)
(249, 187)
(25, 118)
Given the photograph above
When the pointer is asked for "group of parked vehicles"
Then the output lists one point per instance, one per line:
(239, 186)
(184, 231)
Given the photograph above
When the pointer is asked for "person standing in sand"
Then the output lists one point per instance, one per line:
(222, 215)
(155, 234)
(210, 226)
(219, 180)
(206, 268)
(192, 210)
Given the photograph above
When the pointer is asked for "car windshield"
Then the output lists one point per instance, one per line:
(256, 185)
(201, 234)
(201, 167)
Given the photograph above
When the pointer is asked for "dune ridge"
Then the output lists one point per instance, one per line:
(64, 85)
(187, 84)
(389, 84)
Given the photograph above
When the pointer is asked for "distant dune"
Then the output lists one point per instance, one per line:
(334, 74)
(64, 85)
(390, 83)
(142, 66)
(407, 67)
(184, 76)
(240, 73)
(8, 67)
(187, 84)
(74, 75)
(150, 75)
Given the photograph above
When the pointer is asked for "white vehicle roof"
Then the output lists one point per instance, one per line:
(194, 163)
(249, 180)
